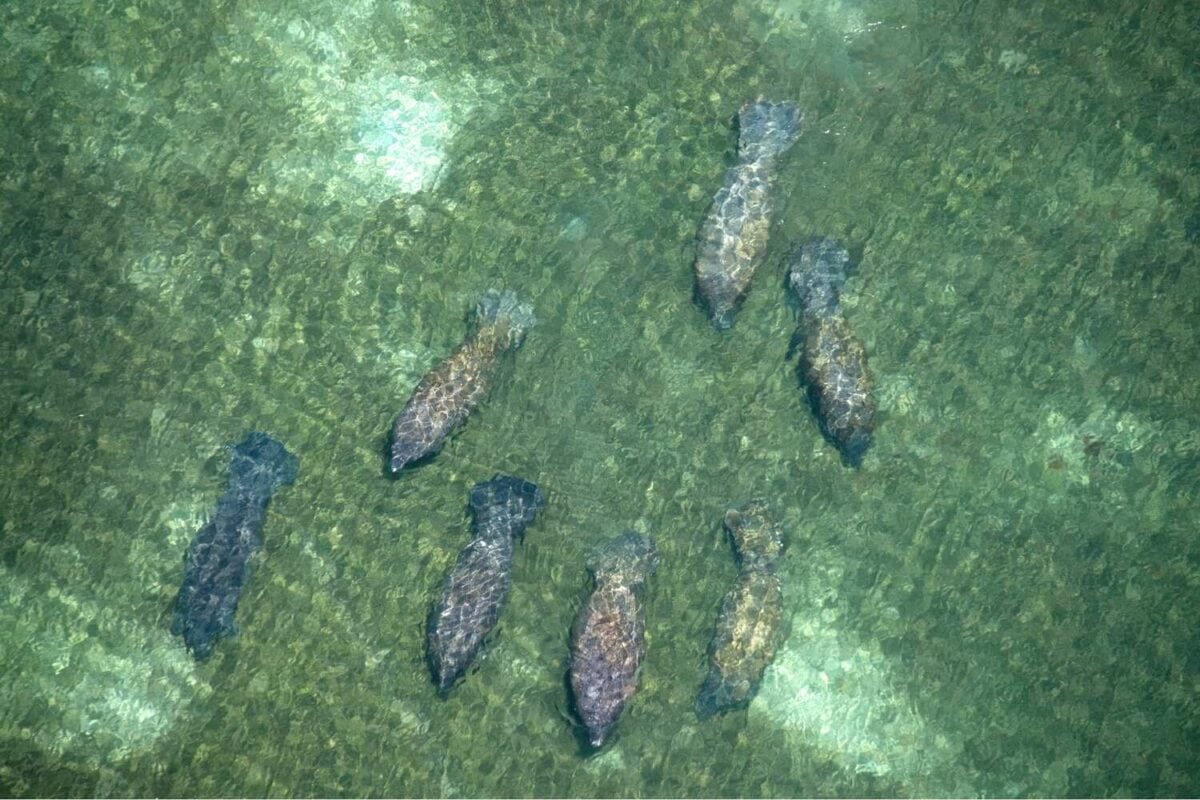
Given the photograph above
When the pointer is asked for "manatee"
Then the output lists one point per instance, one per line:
(451, 390)
(733, 238)
(750, 625)
(477, 585)
(833, 360)
(217, 562)
(608, 641)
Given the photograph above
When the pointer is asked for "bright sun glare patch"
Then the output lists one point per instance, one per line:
(400, 133)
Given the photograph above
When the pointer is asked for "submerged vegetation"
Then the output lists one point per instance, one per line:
(220, 218)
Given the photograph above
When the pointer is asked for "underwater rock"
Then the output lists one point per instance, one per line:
(451, 390)
(750, 625)
(218, 559)
(833, 361)
(733, 238)
(608, 641)
(477, 585)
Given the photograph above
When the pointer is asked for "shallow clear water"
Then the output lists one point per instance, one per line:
(218, 218)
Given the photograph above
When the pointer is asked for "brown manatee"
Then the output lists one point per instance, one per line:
(833, 361)
(608, 641)
(451, 390)
(750, 625)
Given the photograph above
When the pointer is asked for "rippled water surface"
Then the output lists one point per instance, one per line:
(219, 217)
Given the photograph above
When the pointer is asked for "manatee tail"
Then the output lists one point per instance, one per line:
(516, 499)
(261, 464)
(715, 697)
(630, 557)
(767, 129)
(817, 273)
(854, 446)
(506, 314)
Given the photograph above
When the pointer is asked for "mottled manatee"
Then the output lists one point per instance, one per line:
(733, 238)
(476, 587)
(451, 390)
(608, 641)
(750, 625)
(833, 361)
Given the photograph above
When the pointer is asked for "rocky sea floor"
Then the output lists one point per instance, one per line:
(219, 218)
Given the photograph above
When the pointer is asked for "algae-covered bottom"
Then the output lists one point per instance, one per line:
(223, 217)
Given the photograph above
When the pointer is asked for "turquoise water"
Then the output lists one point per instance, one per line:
(219, 217)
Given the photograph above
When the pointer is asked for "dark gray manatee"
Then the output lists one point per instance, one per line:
(608, 641)
(750, 625)
(833, 361)
(477, 585)
(733, 238)
(450, 391)
(218, 559)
